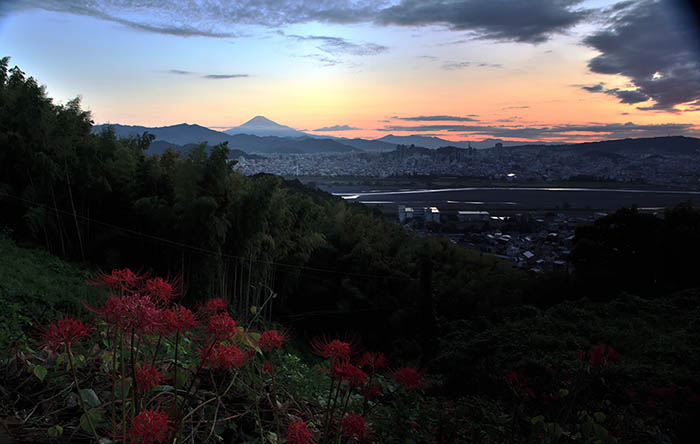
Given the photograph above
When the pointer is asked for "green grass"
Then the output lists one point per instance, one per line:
(36, 287)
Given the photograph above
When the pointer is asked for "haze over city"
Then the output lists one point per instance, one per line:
(552, 70)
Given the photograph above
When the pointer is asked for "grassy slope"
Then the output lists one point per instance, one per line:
(34, 287)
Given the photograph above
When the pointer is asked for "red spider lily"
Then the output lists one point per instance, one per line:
(162, 290)
(224, 356)
(332, 350)
(409, 377)
(131, 312)
(370, 392)
(228, 356)
(66, 331)
(177, 319)
(373, 361)
(147, 377)
(298, 433)
(344, 371)
(354, 426)
(270, 339)
(221, 326)
(150, 425)
(267, 367)
(213, 306)
(124, 279)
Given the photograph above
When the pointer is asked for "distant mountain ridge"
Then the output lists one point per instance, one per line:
(648, 146)
(184, 134)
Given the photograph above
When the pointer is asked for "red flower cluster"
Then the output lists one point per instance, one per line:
(66, 331)
(267, 367)
(147, 377)
(150, 425)
(332, 350)
(270, 339)
(213, 306)
(298, 433)
(354, 426)
(599, 354)
(344, 371)
(224, 356)
(409, 377)
(373, 361)
(517, 383)
(118, 279)
(177, 319)
(221, 326)
(131, 312)
(160, 290)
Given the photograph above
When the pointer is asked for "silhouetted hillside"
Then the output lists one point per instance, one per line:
(184, 134)
(648, 145)
(159, 147)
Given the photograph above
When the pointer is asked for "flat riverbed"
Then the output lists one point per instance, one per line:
(517, 198)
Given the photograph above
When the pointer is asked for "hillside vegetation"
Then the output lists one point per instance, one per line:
(200, 262)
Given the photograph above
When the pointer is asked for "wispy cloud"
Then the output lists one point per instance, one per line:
(453, 65)
(224, 76)
(495, 19)
(438, 118)
(336, 128)
(606, 130)
(180, 72)
(338, 45)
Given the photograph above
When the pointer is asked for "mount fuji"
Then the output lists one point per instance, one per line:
(262, 126)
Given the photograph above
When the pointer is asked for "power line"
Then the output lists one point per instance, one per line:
(201, 250)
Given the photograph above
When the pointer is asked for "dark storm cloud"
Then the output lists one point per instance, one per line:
(224, 76)
(654, 45)
(337, 128)
(593, 88)
(628, 129)
(629, 96)
(531, 21)
(437, 119)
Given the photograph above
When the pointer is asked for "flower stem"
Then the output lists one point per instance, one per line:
(80, 395)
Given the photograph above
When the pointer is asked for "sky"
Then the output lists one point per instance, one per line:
(545, 70)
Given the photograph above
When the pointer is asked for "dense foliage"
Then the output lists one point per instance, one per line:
(104, 201)
(639, 252)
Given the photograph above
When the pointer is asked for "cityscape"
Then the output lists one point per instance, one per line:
(505, 164)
